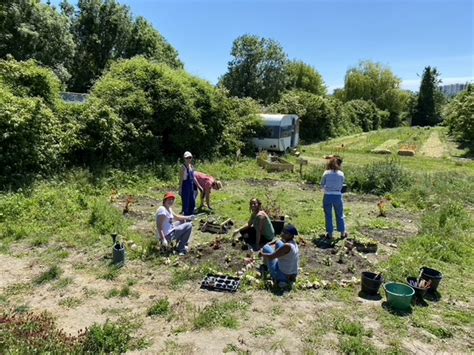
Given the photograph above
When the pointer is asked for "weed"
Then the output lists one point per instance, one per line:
(63, 283)
(110, 274)
(160, 308)
(105, 218)
(264, 331)
(356, 345)
(70, 302)
(52, 273)
(219, 314)
(346, 327)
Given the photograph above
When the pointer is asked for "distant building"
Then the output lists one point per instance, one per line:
(453, 89)
(74, 97)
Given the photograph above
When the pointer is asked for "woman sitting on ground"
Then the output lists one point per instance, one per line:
(167, 231)
(259, 229)
(207, 183)
(282, 258)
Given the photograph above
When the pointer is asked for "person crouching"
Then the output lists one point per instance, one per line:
(282, 258)
(167, 231)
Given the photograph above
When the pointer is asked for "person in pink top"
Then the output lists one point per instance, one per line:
(207, 183)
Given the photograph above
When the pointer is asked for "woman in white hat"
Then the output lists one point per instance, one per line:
(188, 184)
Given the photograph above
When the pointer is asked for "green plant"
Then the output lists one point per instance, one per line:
(162, 307)
(52, 273)
(219, 314)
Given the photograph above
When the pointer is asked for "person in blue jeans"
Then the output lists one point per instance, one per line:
(282, 258)
(332, 183)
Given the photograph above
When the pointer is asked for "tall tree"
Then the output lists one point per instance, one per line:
(105, 31)
(427, 109)
(459, 115)
(30, 29)
(145, 40)
(375, 82)
(258, 69)
(302, 76)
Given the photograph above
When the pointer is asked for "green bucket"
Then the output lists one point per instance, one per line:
(399, 296)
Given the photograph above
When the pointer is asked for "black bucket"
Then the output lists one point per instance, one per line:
(278, 226)
(420, 292)
(118, 256)
(370, 282)
(431, 275)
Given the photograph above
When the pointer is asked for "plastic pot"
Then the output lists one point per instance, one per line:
(432, 275)
(420, 292)
(399, 295)
(370, 282)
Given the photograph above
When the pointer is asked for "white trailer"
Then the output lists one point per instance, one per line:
(281, 133)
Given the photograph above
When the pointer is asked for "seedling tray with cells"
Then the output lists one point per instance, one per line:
(220, 283)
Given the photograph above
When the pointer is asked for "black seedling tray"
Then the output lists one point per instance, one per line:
(220, 283)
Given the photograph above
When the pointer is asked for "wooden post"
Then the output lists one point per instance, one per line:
(302, 162)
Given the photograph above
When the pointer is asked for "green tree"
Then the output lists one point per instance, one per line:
(104, 32)
(374, 82)
(258, 69)
(362, 114)
(302, 76)
(320, 116)
(145, 40)
(30, 29)
(459, 115)
(427, 109)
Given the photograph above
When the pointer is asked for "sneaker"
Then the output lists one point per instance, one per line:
(183, 252)
(283, 284)
(344, 235)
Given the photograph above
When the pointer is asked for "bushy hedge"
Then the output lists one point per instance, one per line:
(28, 79)
(363, 114)
(166, 111)
(30, 137)
(459, 115)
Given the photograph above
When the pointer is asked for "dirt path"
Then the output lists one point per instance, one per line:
(433, 147)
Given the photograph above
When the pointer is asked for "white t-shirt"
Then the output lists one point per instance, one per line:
(168, 226)
(289, 263)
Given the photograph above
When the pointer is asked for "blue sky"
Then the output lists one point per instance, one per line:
(331, 36)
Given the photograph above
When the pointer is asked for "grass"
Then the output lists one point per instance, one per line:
(219, 314)
(162, 307)
(68, 220)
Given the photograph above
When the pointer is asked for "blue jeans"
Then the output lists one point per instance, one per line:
(272, 264)
(336, 202)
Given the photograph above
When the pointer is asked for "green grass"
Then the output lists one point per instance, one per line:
(51, 274)
(162, 307)
(219, 314)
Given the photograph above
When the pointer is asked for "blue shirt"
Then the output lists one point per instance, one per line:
(332, 182)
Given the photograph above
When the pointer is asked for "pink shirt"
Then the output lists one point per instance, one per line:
(204, 180)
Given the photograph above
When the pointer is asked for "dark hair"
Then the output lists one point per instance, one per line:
(334, 163)
(259, 203)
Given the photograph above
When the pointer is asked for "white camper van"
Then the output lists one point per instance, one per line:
(281, 134)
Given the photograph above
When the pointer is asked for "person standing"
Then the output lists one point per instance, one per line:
(332, 184)
(166, 230)
(187, 185)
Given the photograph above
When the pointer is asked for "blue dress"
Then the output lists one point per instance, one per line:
(187, 193)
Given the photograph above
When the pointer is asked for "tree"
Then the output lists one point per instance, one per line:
(32, 30)
(459, 115)
(427, 109)
(302, 76)
(258, 69)
(362, 114)
(145, 40)
(373, 81)
(104, 32)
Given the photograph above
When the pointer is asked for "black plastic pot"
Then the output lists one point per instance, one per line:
(278, 225)
(419, 291)
(370, 282)
(118, 256)
(432, 275)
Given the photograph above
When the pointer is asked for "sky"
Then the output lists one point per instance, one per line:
(330, 35)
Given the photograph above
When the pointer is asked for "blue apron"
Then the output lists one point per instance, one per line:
(187, 193)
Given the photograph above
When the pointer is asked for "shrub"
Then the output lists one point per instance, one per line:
(362, 114)
(105, 218)
(28, 79)
(459, 117)
(378, 178)
(30, 138)
(164, 111)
